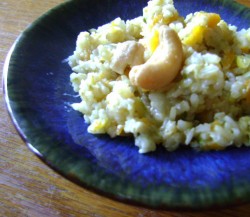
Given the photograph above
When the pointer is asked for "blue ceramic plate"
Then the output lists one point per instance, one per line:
(38, 95)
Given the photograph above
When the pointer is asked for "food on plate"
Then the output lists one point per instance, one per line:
(165, 79)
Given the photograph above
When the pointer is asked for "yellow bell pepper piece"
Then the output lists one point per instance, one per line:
(154, 41)
(213, 19)
(196, 36)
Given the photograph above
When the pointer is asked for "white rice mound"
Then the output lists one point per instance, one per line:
(206, 107)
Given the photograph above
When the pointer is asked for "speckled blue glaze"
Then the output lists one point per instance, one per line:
(38, 95)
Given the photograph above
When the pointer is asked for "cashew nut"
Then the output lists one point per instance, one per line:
(128, 53)
(164, 64)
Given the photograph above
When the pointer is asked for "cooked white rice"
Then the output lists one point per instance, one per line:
(206, 107)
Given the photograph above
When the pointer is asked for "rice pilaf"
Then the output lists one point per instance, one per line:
(206, 106)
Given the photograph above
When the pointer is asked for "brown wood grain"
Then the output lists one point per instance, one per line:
(28, 187)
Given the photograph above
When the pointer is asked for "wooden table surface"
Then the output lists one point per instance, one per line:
(28, 187)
